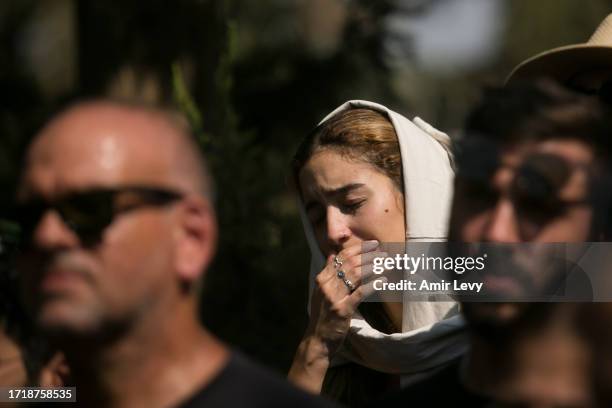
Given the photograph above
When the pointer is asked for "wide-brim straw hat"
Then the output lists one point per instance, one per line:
(562, 63)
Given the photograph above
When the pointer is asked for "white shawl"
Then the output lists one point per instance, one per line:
(432, 332)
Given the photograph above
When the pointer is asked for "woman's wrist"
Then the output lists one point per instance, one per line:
(314, 351)
(310, 364)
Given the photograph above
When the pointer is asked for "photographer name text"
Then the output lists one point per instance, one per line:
(425, 286)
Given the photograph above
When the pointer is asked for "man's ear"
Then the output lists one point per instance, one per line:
(196, 240)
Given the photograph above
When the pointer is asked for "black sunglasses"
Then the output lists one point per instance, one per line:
(538, 180)
(88, 212)
(535, 188)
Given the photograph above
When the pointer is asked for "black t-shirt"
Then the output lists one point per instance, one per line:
(444, 389)
(244, 384)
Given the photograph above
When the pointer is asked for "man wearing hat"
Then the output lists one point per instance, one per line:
(524, 353)
(587, 68)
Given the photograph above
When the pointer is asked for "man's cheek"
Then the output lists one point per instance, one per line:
(585, 220)
(134, 265)
(576, 227)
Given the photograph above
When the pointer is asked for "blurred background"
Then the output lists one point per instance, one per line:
(254, 77)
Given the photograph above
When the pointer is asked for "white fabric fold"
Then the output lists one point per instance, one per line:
(432, 332)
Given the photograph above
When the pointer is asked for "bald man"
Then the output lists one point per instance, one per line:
(115, 207)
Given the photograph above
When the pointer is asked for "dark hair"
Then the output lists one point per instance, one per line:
(360, 134)
(540, 110)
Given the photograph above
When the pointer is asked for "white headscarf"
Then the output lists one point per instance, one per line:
(432, 332)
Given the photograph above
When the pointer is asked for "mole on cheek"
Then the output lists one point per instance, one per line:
(386, 210)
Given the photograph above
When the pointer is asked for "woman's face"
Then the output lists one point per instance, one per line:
(349, 201)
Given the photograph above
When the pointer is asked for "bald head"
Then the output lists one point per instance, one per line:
(114, 143)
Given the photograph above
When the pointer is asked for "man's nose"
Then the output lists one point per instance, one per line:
(338, 230)
(53, 233)
(502, 226)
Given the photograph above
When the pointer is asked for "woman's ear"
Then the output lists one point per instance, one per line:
(399, 200)
(197, 238)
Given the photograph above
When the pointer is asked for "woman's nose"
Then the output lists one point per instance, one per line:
(338, 230)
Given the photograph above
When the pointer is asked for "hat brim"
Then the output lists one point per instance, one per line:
(564, 62)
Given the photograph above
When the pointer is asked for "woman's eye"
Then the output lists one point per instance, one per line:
(352, 207)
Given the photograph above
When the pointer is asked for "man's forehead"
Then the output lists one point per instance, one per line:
(98, 145)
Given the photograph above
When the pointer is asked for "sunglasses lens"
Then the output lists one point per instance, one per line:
(536, 190)
(87, 214)
(27, 216)
(540, 178)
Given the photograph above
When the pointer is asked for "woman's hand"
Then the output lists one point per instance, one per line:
(333, 302)
(339, 288)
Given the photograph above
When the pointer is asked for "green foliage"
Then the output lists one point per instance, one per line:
(186, 104)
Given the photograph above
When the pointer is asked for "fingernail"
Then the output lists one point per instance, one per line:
(370, 245)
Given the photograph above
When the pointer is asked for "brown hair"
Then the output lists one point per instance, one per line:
(360, 134)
